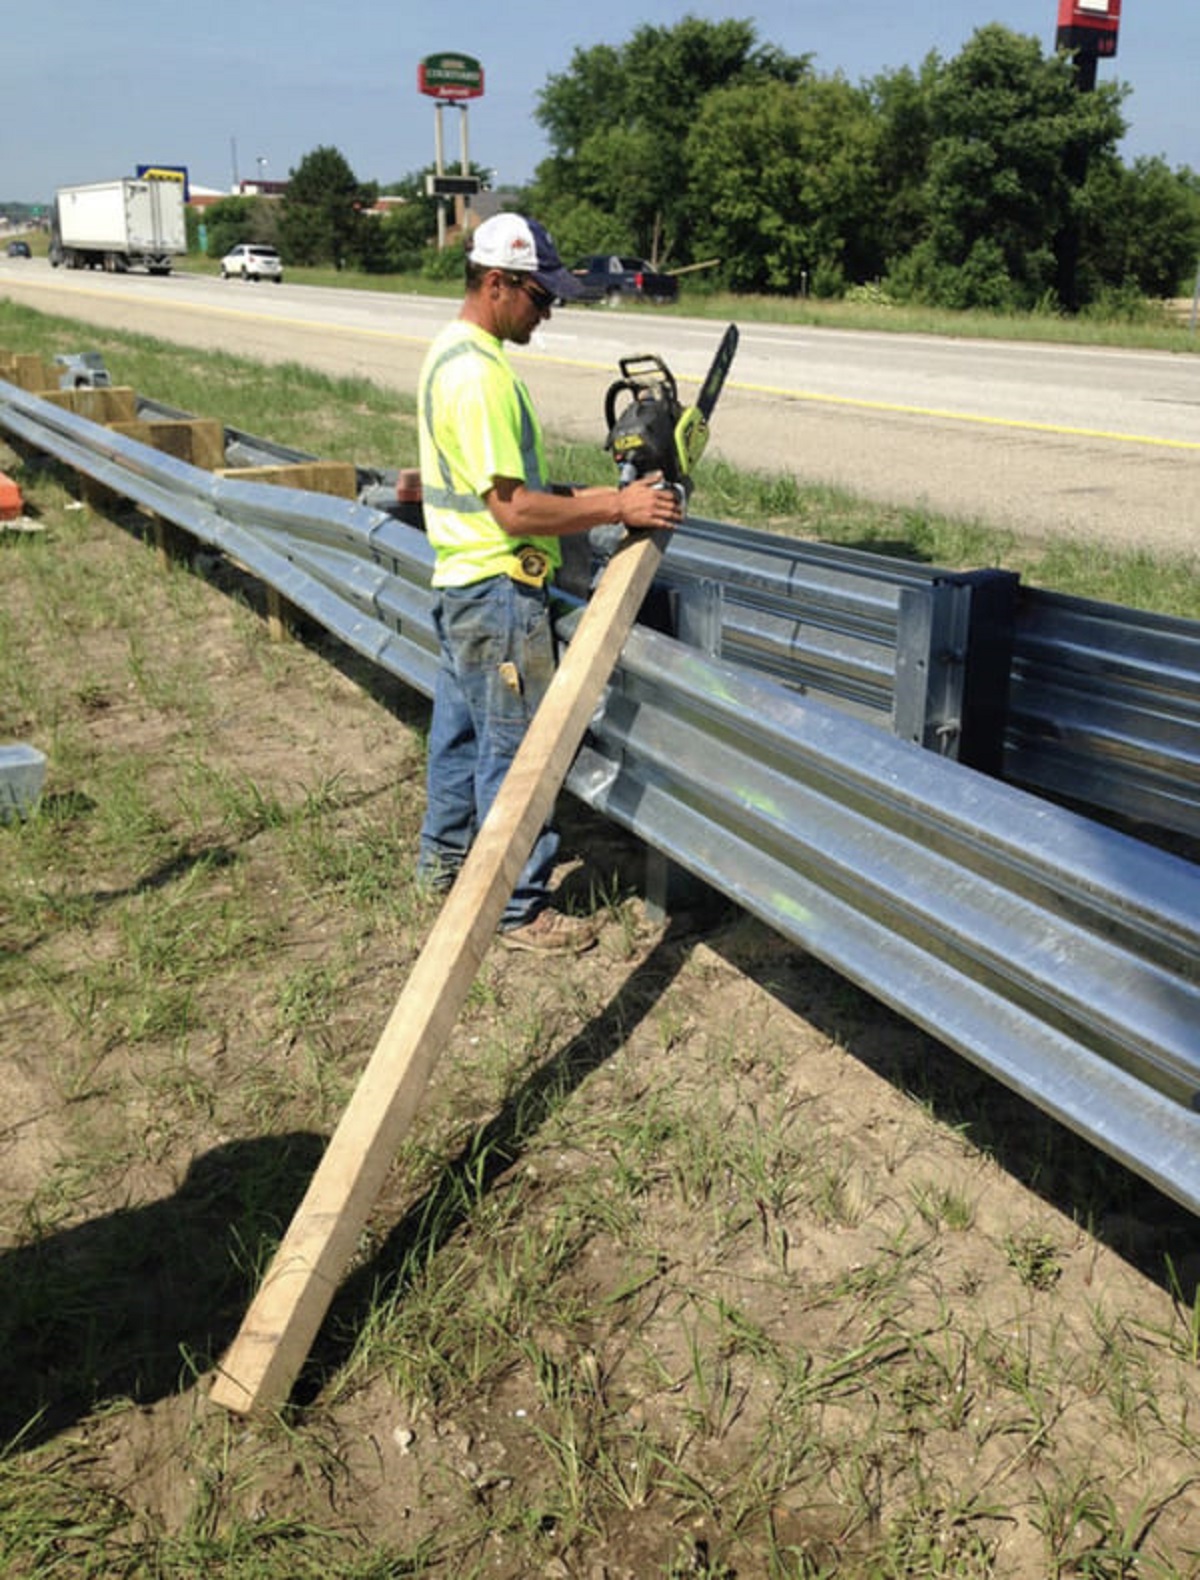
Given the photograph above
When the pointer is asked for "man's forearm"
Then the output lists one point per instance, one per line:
(529, 513)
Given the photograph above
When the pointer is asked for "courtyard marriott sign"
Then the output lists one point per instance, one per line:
(450, 77)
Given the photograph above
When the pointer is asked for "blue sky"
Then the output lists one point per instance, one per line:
(91, 90)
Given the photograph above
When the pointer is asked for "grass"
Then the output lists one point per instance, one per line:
(674, 1275)
(353, 419)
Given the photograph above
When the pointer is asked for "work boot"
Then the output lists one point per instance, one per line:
(437, 877)
(552, 932)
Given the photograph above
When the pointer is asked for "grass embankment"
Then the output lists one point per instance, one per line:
(696, 1262)
(350, 419)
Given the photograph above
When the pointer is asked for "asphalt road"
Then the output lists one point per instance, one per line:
(1044, 440)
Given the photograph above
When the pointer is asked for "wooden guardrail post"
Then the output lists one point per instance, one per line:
(200, 441)
(339, 478)
(29, 371)
(106, 403)
(315, 477)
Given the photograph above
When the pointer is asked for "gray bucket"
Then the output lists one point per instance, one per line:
(22, 772)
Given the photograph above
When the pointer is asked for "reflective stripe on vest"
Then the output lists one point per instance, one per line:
(445, 498)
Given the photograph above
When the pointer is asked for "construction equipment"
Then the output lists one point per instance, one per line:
(654, 432)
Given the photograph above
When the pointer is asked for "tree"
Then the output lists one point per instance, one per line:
(618, 123)
(1009, 134)
(322, 216)
(791, 187)
(902, 102)
(235, 219)
(1140, 228)
(400, 240)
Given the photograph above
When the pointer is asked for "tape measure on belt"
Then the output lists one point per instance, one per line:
(528, 565)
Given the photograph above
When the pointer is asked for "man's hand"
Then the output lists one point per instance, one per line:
(530, 513)
(646, 503)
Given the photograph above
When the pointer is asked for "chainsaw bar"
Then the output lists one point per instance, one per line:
(691, 431)
(714, 379)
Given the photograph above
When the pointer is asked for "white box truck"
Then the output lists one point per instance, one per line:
(136, 222)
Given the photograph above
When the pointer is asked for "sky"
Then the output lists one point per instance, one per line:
(234, 90)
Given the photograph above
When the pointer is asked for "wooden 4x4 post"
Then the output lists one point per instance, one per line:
(277, 1333)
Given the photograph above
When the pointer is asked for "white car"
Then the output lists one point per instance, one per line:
(252, 263)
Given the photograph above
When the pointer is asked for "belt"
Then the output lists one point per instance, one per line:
(528, 565)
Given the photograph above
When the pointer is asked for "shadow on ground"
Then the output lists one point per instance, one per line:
(136, 1303)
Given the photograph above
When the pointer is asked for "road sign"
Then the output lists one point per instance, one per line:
(450, 77)
(166, 173)
(1089, 26)
(451, 186)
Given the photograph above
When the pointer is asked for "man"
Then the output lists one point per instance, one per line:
(495, 522)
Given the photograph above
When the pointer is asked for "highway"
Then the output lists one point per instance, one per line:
(1044, 440)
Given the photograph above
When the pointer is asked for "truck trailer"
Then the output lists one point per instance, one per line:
(136, 222)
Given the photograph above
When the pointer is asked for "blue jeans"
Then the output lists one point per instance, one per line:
(497, 659)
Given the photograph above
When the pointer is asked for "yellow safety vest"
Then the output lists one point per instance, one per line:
(477, 423)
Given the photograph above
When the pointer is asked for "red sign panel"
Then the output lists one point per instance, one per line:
(450, 77)
(1089, 25)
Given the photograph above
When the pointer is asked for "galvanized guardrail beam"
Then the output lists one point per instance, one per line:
(1068, 696)
(1058, 954)
(1061, 956)
(1104, 707)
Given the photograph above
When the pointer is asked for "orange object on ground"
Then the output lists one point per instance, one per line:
(11, 503)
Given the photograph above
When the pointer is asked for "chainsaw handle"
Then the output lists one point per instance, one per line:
(628, 473)
(610, 400)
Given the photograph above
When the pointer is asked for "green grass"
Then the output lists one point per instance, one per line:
(353, 419)
(695, 1262)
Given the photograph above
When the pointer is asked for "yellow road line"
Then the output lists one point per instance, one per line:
(1022, 424)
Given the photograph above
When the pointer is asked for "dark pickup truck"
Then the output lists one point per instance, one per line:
(607, 278)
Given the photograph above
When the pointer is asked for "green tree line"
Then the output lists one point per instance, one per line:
(988, 180)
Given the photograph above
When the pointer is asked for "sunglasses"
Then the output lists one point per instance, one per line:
(541, 298)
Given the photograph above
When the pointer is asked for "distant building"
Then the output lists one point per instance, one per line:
(272, 189)
(204, 197)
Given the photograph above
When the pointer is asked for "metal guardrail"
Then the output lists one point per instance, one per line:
(1060, 955)
(1062, 695)
(1104, 707)
(1057, 954)
(1065, 696)
(923, 651)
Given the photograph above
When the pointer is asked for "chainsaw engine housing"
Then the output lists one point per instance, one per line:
(641, 435)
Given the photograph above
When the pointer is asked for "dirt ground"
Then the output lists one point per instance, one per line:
(124, 1150)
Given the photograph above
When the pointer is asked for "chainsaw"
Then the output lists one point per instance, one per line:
(652, 431)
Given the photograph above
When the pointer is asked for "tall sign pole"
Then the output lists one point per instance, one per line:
(1087, 30)
(439, 151)
(450, 79)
